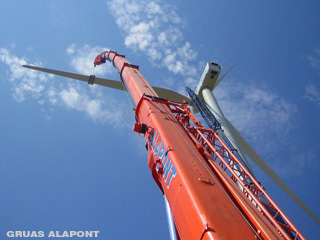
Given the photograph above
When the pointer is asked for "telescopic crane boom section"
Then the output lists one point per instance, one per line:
(195, 170)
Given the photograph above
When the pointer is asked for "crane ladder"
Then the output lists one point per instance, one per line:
(208, 117)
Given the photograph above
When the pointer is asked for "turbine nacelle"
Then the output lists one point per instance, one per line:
(209, 78)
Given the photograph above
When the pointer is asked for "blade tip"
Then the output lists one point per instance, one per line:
(25, 66)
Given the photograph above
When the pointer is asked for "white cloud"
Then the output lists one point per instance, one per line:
(140, 36)
(314, 60)
(155, 29)
(33, 84)
(256, 111)
(153, 8)
(25, 82)
(81, 59)
(177, 61)
(312, 94)
(71, 98)
(267, 121)
(52, 96)
(71, 49)
(299, 162)
(97, 108)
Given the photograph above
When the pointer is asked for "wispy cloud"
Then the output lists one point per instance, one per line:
(81, 59)
(98, 109)
(256, 110)
(25, 82)
(154, 28)
(32, 84)
(265, 118)
(314, 59)
(312, 94)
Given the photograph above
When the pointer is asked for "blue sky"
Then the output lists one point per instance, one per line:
(69, 158)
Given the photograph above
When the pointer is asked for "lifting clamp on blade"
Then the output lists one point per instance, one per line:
(91, 79)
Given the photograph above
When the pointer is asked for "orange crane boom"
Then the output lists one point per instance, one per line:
(188, 162)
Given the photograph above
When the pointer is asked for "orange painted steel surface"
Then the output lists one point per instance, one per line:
(204, 201)
(221, 155)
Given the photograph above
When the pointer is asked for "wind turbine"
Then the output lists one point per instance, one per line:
(208, 82)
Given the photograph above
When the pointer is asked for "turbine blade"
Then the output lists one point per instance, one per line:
(99, 81)
(172, 95)
(220, 79)
(255, 157)
(162, 92)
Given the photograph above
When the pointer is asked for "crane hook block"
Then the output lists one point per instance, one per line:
(99, 60)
